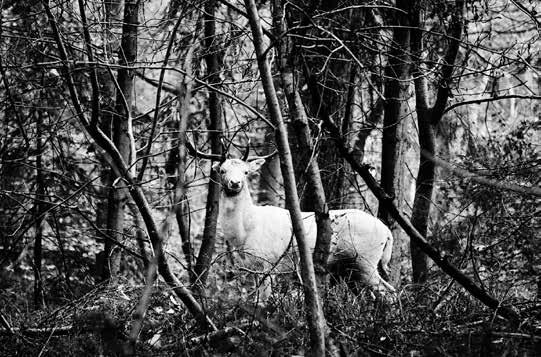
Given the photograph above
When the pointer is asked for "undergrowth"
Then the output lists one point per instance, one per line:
(423, 321)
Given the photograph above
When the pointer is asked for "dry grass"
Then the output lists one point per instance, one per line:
(422, 322)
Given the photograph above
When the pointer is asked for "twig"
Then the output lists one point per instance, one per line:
(195, 153)
(165, 86)
(47, 342)
(108, 237)
(93, 75)
(216, 335)
(516, 335)
(63, 330)
(51, 207)
(5, 323)
(268, 324)
(121, 168)
(313, 307)
(213, 88)
(530, 14)
(142, 306)
(363, 170)
(525, 190)
(267, 33)
(491, 99)
(158, 97)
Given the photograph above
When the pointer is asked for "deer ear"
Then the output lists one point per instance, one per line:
(256, 164)
(216, 167)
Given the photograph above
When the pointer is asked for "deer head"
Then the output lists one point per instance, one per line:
(234, 173)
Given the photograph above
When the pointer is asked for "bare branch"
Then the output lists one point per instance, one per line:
(530, 14)
(148, 146)
(164, 86)
(267, 33)
(211, 49)
(122, 170)
(4, 322)
(491, 99)
(142, 305)
(315, 317)
(53, 331)
(438, 258)
(344, 46)
(212, 88)
(18, 118)
(444, 89)
(193, 151)
(196, 153)
(93, 74)
(535, 191)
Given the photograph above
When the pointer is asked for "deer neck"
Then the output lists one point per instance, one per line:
(235, 212)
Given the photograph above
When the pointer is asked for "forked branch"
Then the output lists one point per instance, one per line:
(122, 170)
(315, 318)
(433, 253)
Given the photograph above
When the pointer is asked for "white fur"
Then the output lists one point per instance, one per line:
(266, 232)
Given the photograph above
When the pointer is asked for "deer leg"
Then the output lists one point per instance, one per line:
(368, 274)
(263, 284)
(264, 289)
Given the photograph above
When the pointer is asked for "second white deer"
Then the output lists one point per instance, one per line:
(359, 242)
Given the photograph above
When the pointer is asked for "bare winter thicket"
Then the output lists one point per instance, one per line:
(425, 114)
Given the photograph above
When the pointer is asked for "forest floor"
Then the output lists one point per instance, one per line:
(422, 322)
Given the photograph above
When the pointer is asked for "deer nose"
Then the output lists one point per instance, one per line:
(235, 184)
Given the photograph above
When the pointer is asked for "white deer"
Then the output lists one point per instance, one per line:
(359, 242)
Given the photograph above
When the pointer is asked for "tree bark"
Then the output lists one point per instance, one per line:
(427, 119)
(182, 210)
(374, 118)
(396, 110)
(538, 64)
(39, 209)
(202, 266)
(376, 102)
(440, 260)
(299, 120)
(270, 183)
(425, 177)
(112, 13)
(122, 169)
(121, 135)
(316, 320)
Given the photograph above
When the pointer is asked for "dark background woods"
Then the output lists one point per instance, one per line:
(100, 98)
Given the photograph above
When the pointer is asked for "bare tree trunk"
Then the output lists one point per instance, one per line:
(121, 135)
(428, 118)
(140, 233)
(340, 193)
(39, 209)
(182, 210)
(112, 9)
(316, 320)
(297, 116)
(202, 266)
(270, 188)
(376, 102)
(425, 176)
(122, 169)
(337, 83)
(440, 260)
(270, 183)
(396, 110)
(375, 117)
(538, 64)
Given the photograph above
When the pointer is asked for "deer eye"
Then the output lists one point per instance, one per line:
(246, 172)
